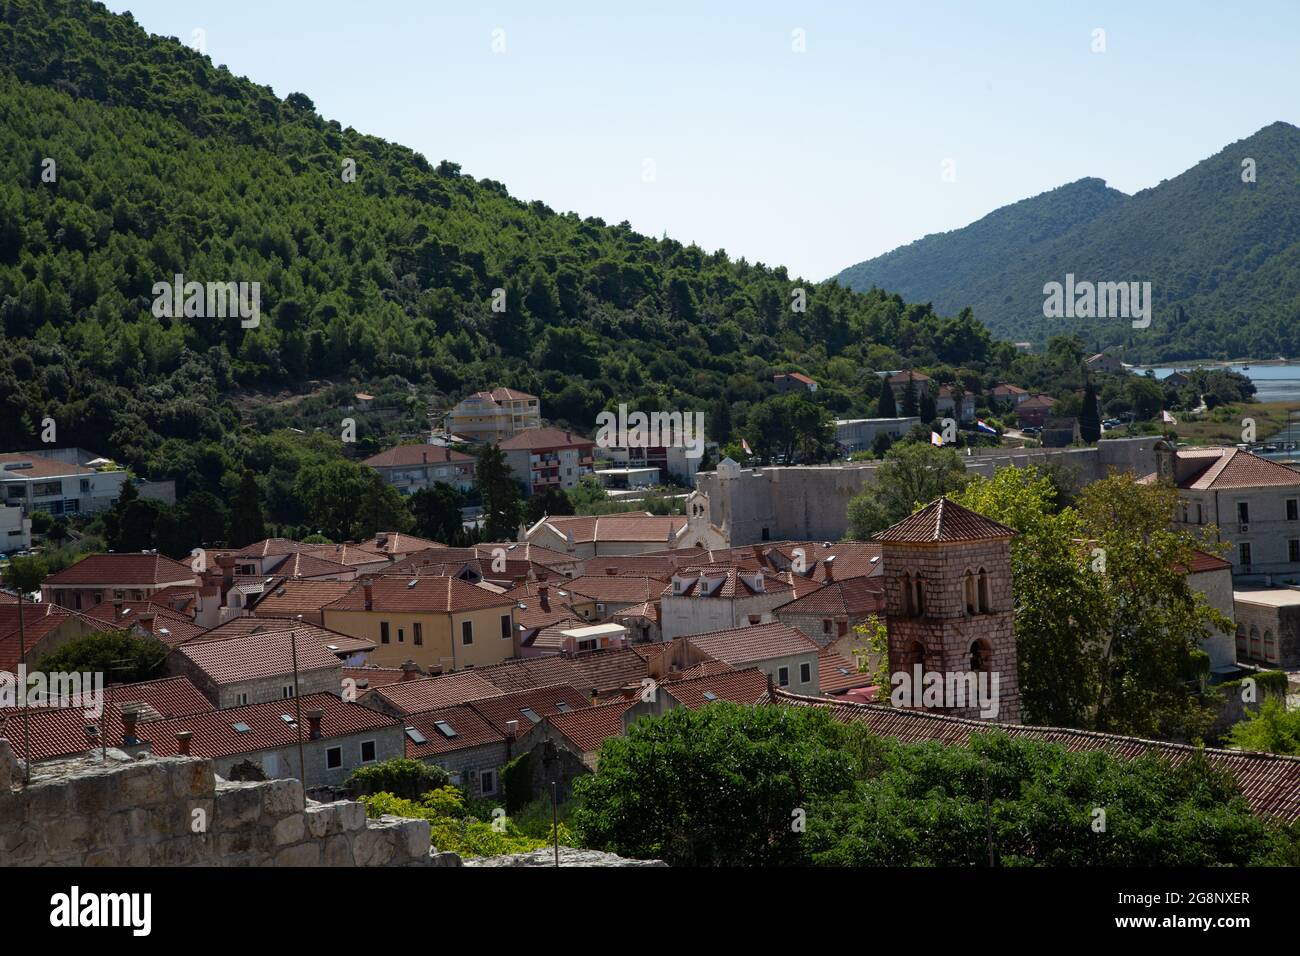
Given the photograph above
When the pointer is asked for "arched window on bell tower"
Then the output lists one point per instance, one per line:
(915, 655)
(968, 588)
(981, 656)
(918, 602)
(908, 609)
(984, 602)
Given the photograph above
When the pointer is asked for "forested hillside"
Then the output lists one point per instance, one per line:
(1222, 255)
(166, 163)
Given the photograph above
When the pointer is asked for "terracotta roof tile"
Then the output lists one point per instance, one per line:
(855, 598)
(440, 594)
(406, 456)
(589, 728)
(431, 693)
(122, 569)
(944, 520)
(255, 656)
(746, 686)
(758, 642)
(532, 438)
(469, 727)
(291, 598)
(523, 705)
(1233, 468)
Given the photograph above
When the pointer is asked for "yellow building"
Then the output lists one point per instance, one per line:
(442, 623)
(494, 416)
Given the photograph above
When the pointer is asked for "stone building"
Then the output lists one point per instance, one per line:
(949, 607)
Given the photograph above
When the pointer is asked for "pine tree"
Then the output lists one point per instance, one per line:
(888, 406)
(1090, 416)
(499, 491)
(246, 523)
(909, 398)
(928, 411)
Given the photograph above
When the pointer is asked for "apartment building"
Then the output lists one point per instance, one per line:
(410, 468)
(440, 622)
(494, 416)
(543, 458)
(114, 577)
(42, 483)
(15, 529)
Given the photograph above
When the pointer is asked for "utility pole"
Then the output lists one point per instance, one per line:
(297, 699)
(555, 821)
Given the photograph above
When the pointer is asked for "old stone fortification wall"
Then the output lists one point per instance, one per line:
(810, 502)
(175, 811)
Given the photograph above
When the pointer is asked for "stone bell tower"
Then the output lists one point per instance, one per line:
(949, 608)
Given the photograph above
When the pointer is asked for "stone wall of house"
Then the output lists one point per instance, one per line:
(175, 811)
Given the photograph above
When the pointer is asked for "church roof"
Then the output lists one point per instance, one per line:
(944, 520)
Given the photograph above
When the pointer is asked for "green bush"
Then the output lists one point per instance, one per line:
(517, 782)
(400, 776)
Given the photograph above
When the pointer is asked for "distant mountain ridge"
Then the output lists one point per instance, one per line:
(1222, 254)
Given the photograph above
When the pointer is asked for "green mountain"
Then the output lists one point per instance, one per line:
(1222, 256)
(129, 159)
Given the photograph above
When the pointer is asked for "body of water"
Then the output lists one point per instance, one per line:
(1273, 383)
(1279, 382)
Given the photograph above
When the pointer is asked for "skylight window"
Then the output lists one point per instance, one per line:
(240, 728)
(445, 728)
(287, 718)
(710, 695)
(531, 714)
(563, 706)
(416, 737)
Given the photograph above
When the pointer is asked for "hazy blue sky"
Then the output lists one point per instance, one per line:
(815, 159)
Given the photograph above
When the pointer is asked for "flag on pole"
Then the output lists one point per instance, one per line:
(985, 427)
(1168, 419)
(745, 445)
(936, 439)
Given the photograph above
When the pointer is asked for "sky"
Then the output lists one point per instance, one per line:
(810, 135)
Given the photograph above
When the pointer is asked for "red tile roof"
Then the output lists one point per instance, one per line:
(367, 677)
(541, 438)
(725, 582)
(506, 395)
(601, 670)
(215, 736)
(393, 542)
(637, 526)
(587, 729)
(617, 589)
(836, 673)
(1269, 782)
(152, 700)
(122, 569)
(333, 641)
(38, 621)
(855, 598)
(746, 686)
(255, 656)
(291, 598)
(944, 520)
(542, 701)
(406, 456)
(170, 627)
(469, 727)
(1230, 468)
(303, 565)
(758, 642)
(430, 693)
(432, 594)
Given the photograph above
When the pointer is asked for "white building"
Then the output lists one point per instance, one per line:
(859, 434)
(43, 483)
(15, 530)
(495, 416)
(410, 468)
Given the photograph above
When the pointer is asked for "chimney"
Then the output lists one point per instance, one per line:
(512, 728)
(611, 571)
(117, 610)
(424, 457)
(409, 670)
(829, 566)
(381, 540)
(183, 742)
(313, 722)
(369, 592)
(130, 718)
(544, 597)
(447, 452)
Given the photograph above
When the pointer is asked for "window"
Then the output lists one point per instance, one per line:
(1243, 512)
(909, 606)
(981, 656)
(826, 625)
(783, 676)
(1255, 647)
(367, 751)
(505, 626)
(1242, 647)
(1270, 647)
(531, 714)
(919, 600)
(383, 632)
(467, 632)
(805, 673)
(85, 486)
(1200, 513)
(487, 781)
(985, 602)
(1293, 550)
(1243, 554)
(417, 634)
(401, 635)
(286, 691)
(968, 585)
(241, 700)
(1292, 509)
(333, 758)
